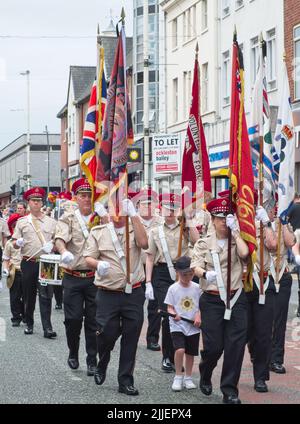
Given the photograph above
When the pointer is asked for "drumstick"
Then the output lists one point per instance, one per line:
(168, 314)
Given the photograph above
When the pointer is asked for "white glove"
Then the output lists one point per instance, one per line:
(297, 260)
(5, 273)
(20, 242)
(100, 209)
(67, 257)
(231, 223)
(47, 248)
(211, 276)
(128, 208)
(262, 215)
(149, 294)
(103, 268)
(1, 286)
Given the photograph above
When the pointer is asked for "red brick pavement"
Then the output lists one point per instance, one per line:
(283, 388)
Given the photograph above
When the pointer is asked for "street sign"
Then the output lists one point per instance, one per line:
(166, 154)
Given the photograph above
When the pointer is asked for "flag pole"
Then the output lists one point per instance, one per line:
(182, 223)
(261, 188)
(128, 288)
(279, 227)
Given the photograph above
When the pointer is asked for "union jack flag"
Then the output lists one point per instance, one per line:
(91, 141)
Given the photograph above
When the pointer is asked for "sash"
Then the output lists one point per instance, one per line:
(166, 253)
(273, 272)
(220, 283)
(82, 224)
(121, 255)
(34, 222)
(256, 277)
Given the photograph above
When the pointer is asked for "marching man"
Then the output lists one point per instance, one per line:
(71, 236)
(33, 235)
(119, 312)
(220, 335)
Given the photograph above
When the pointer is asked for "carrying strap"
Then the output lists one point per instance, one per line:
(256, 277)
(221, 287)
(82, 224)
(166, 253)
(273, 272)
(36, 226)
(120, 253)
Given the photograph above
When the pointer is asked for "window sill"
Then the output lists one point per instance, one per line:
(189, 41)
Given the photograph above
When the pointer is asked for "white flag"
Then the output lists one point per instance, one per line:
(285, 148)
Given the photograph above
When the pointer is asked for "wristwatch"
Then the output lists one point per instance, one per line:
(204, 275)
(269, 224)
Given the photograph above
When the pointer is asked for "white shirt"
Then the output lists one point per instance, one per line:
(185, 301)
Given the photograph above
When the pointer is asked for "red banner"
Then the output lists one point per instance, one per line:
(195, 165)
(240, 164)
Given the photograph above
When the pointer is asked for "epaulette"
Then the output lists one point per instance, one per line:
(98, 227)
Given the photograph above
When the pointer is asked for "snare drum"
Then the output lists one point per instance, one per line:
(49, 271)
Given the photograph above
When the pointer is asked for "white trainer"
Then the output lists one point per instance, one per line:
(177, 383)
(189, 384)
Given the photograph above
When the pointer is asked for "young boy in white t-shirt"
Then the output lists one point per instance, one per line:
(183, 302)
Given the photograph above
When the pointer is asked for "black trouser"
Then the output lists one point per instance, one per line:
(119, 314)
(154, 320)
(79, 301)
(282, 299)
(260, 323)
(16, 298)
(222, 336)
(161, 283)
(58, 294)
(30, 272)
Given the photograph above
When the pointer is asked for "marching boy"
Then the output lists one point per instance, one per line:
(183, 302)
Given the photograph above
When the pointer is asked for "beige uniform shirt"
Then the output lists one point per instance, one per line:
(283, 249)
(69, 230)
(100, 246)
(34, 240)
(12, 255)
(202, 257)
(267, 257)
(172, 238)
(4, 230)
(149, 225)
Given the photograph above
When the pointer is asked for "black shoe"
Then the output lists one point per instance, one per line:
(153, 346)
(231, 399)
(128, 390)
(16, 323)
(167, 365)
(205, 387)
(260, 386)
(73, 363)
(49, 334)
(28, 330)
(99, 376)
(91, 369)
(278, 368)
(58, 307)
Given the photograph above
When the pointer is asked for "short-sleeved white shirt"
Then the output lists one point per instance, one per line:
(185, 301)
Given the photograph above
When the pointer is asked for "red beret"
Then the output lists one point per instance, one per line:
(11, 220)
(81, 185)
(170, 200)
(219, 207)
(34, 193)
(65, 195)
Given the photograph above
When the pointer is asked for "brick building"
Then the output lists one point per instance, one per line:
(292, 47)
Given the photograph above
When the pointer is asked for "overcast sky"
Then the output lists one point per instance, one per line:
(26, 28)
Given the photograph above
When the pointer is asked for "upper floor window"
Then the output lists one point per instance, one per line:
(297, 61)
(271, 59)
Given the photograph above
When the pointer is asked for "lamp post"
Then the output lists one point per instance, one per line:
(48, 161)
(27, 73)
